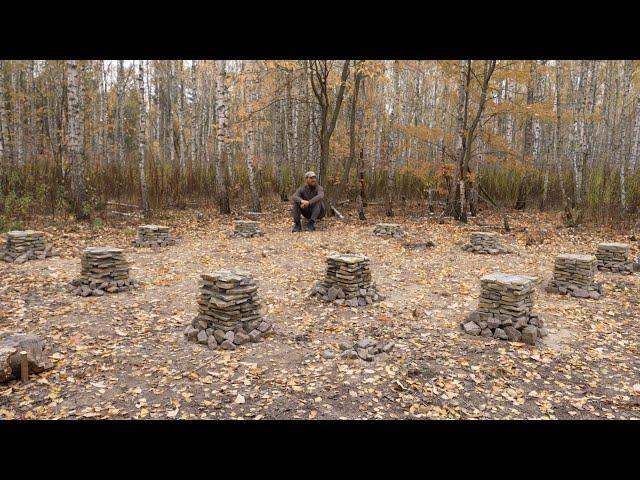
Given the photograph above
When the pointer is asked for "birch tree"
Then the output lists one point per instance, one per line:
(144, 191)
(250, 153)
(221, 137)
(76, 165)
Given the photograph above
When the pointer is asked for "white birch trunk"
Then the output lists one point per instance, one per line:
(144, 191)
(75, 155)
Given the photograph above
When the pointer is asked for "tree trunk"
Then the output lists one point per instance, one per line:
(11, 346)
(78, 189)
(527, 143)
(120, 88)
(623, 151)
(221, 185)
(144, 192)
(250, 154)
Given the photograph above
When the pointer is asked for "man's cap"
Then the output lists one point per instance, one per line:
(309, 174)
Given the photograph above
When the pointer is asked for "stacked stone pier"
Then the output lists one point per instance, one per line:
(103, 270)
(574, 274)
(24, 245)
(505, 310)
(614, 257)
(153, 236)
(485, 242)
(389, 230)
(228, 311)
(246, 229)
(347, 282)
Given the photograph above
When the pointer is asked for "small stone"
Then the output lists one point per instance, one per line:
(191, 333)
(212, 343)
(500, 334)
(97, 292)
(219, 335)
(365, 343)
(264, 326)
(543, 332)
(388, 347)
(352, 302)
(254, 336)
(202, 337)
(241, 338)
(349, 354)
(328, 354)
(345, 346)
(594, 295)
(493, 322)
(332, 294)
(227, 345)
(364, 354)
(529, 335)
(486, 333)
(229, 336)
(513, 334)
(472, 328)
(581, 293)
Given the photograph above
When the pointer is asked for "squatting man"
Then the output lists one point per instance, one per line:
(308, 201)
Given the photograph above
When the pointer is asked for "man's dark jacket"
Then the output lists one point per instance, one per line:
(312, 194)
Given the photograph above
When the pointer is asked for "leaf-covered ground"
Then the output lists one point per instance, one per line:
(124, 355)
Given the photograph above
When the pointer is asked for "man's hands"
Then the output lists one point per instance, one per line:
(304, 203)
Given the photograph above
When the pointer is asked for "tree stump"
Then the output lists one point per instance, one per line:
(12, 345)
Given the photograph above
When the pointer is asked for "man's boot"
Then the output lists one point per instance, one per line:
(311, 226)
(297, 227)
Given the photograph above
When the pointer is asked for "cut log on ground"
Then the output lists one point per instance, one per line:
(338, 214)
(12, 345)
(124, 214)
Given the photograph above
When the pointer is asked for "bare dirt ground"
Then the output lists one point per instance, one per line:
(124, 355)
